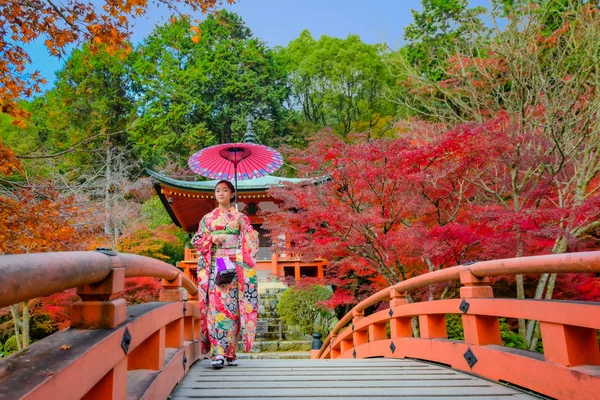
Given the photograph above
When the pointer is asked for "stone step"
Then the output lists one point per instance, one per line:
(275, 346)
(269, 336)
(275, 355)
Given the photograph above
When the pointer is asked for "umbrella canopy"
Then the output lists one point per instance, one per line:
(235, 161)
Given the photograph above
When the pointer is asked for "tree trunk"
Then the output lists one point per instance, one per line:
(227, 131)
(431, 269)
(521, 288)
(414, 321)
(25, 325)
(560, 246)
(539, 291)
(107, 186)
(14, 309)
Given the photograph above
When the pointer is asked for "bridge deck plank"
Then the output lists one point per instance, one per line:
(327, 379)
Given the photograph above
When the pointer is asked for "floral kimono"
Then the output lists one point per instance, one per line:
(229, 311)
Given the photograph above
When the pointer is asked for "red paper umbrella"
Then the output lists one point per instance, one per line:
(235, 161)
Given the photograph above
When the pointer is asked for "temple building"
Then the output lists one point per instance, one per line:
(187, 202)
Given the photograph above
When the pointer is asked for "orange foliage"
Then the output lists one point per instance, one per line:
(64, 23)
(38, 219)
(9, 163)
(147, 242)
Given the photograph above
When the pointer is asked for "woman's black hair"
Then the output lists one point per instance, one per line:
(229, 185)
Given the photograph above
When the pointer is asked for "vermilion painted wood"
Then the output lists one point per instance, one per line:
(27, 276)
(569, 367)
(45, 371)
(92, 363)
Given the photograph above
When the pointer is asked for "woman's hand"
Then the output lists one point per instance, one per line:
(218, 239)
(241, 223)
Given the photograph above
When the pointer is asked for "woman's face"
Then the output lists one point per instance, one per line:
(223, 194)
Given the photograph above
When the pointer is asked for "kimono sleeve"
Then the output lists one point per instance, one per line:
(249, 240)
(202, 240)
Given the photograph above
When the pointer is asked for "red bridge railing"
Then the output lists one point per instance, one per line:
(111, 351)
(569, 368)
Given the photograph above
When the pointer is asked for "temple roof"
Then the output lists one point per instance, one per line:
(256, 184)
(188, 201)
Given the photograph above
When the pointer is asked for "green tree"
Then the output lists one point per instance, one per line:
(339, 83)
(195, 86)
(441, 26)
(302, 306)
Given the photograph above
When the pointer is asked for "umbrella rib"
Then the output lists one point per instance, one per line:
(255, 163)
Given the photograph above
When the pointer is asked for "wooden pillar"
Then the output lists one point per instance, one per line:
(99, 307)
(170, 291)
(150, 354)
(335, 351)
(399, 326)
(297, 270)
(569, 345)
(479, 330)
(274, 270)
(174, 334)
(433, 326)
(320, 272)
(113, 386)
(359, 337)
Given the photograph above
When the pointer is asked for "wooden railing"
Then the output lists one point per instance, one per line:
(569, 367)
(111, 351)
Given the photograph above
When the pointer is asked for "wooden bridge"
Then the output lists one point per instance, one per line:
(151, 351)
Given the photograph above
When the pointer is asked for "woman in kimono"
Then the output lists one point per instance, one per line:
(229, 311)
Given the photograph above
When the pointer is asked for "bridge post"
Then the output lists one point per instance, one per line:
(358, 336)
(335, 353)
(479, 330)
(99, 307)
(399, 326)
(171, 291)
(569, 345)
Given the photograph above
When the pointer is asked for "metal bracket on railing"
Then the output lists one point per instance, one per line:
(470, 262)
(107, 251)
(184, 361)
(392, 347)
(184, 309)
(391, 312)
(464, 306)
(470, 357)
(354, 353)
(126, 341)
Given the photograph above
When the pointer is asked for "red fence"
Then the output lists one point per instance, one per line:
(569, 368)
(111, 351)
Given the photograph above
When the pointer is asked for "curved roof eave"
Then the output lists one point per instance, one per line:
(262, 183)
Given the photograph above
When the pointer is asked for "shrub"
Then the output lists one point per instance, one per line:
(10, 346)
(454, 327)
(302, 307)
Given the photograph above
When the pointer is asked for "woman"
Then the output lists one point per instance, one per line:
(230, 310)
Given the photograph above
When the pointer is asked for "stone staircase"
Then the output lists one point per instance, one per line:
(273, 339)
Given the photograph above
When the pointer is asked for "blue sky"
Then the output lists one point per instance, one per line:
(280, 21)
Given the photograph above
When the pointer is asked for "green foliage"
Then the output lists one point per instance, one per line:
(1, 347)
(442, 25)
(89, 108)
(510, 338)
(553, 13)
(338, 83)
(10, 346)
(454, 327)
(300, 306)
(196, 86)
(154, 212)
